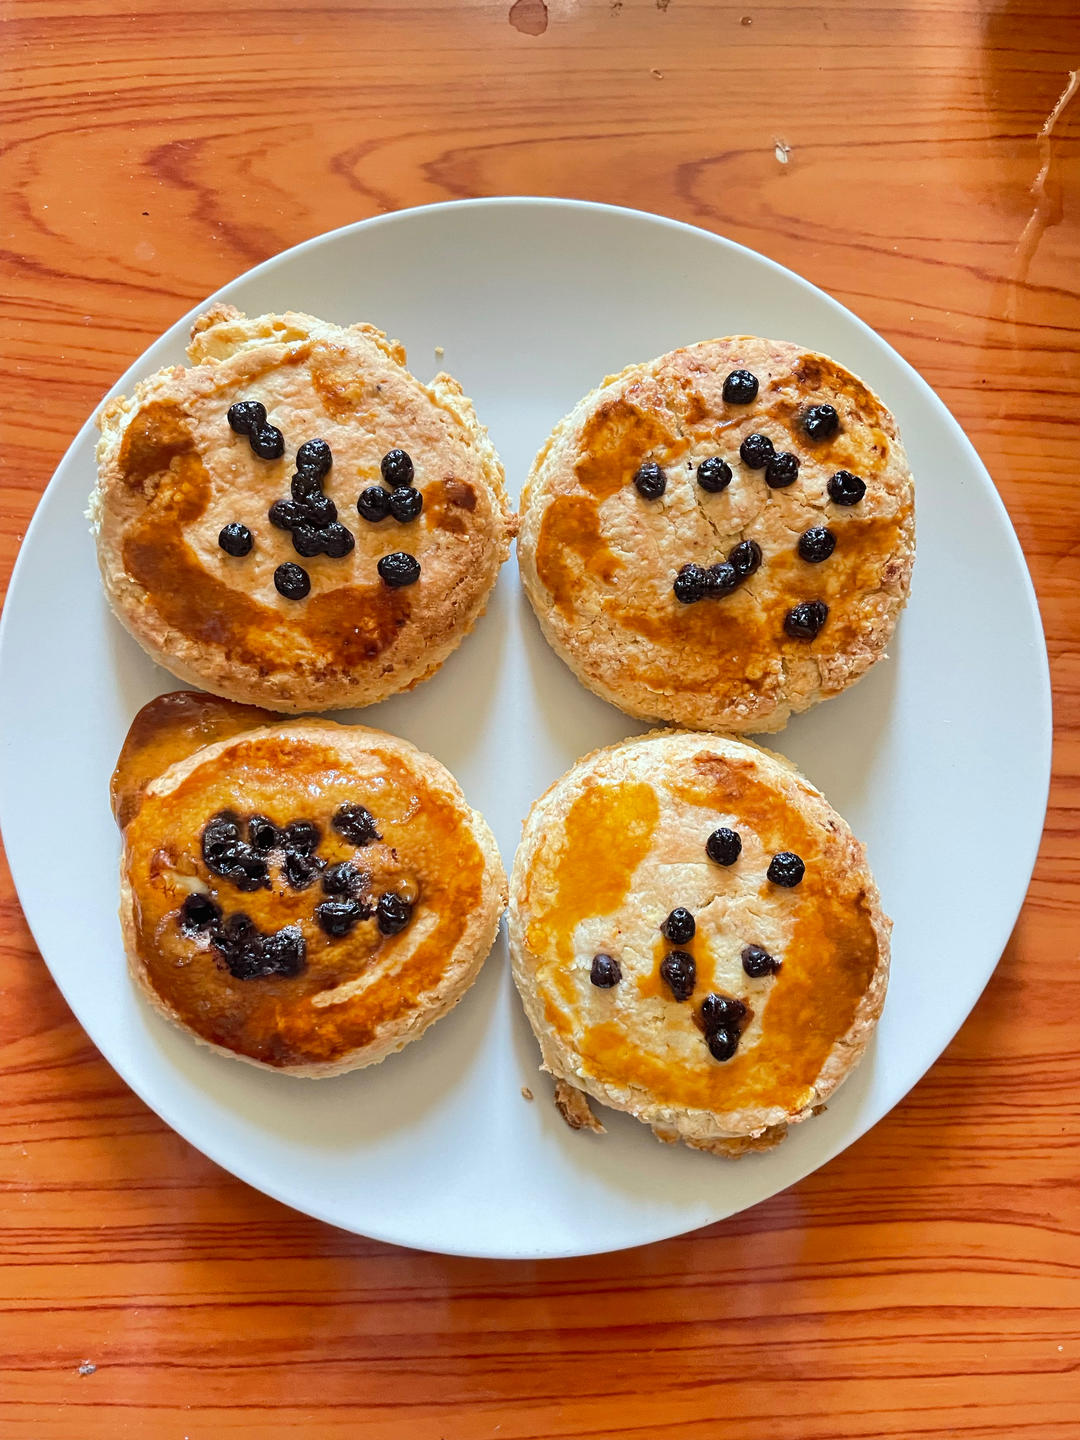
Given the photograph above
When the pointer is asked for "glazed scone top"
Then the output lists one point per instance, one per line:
(355, 994)
(618, 844)
(171, 728)
(173, 474)
(599, 561)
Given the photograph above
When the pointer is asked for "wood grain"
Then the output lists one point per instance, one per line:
(926, 1283)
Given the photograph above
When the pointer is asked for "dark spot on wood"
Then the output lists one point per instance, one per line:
(529, 16)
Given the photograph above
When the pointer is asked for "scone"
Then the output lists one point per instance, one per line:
(295, 520)
(697, 940)
(721, 537)
(303, 895)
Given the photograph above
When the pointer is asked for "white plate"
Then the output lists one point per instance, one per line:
(940, 758)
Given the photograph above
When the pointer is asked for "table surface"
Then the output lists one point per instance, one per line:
(920, 163)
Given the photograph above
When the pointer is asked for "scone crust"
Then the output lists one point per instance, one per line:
(617, 843)
(171, 474)
(361, 997)
(598, 562)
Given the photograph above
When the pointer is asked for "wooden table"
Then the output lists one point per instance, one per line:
(914, 160)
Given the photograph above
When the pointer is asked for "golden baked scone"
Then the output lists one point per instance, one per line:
(697, 940)
(232, 537)
(721, 537)
(300, 894)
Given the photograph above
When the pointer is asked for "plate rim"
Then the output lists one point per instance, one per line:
(1044, 698)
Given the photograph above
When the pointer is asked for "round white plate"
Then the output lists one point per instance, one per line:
(534, 301)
